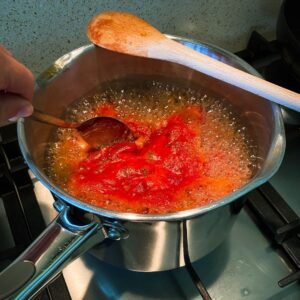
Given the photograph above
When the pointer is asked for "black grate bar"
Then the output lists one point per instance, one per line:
(16, 219)
(292, 247)
(8, 133)
(9, 176)
(271, 212)
(58, 287)
(264, 211)
(21, 207)
(31, 208)
(281, 207)
(289, 279)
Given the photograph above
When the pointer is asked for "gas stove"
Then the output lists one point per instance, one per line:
(260, 259)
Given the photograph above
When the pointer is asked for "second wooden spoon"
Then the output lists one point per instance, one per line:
(125, 33)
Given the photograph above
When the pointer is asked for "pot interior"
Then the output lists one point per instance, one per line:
(81, 71)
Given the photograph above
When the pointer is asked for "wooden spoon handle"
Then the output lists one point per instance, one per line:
(173, 51)
(40, 116)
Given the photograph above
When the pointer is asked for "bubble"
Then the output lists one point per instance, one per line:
(223, 138)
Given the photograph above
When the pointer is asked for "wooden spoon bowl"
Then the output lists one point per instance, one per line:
(125, 33)
(96, 132)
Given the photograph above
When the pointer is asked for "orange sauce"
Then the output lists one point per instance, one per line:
(187, 159)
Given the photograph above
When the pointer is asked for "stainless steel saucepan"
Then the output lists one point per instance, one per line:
(145, 242)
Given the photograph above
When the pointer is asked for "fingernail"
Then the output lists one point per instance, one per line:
(24, 111)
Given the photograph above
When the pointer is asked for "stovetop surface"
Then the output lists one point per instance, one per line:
(244, 266)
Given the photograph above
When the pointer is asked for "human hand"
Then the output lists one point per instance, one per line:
(16, 88)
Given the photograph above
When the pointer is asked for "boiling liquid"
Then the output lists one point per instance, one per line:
(194, 151)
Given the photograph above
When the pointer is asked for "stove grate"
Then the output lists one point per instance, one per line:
(21, 218)
(280, 224)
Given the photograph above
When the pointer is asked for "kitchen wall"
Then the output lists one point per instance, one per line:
(38, 32)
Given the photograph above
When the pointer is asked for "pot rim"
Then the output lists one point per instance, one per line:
(272, 164)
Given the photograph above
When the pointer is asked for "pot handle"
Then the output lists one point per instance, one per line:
(60, 243)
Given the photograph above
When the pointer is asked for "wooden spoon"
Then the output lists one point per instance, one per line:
(97, 132)
(125, 33)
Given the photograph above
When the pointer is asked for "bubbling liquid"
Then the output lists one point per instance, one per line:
(194, 150)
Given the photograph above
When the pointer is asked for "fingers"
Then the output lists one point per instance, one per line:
(14, 77)
(13, 107)
(16, 87)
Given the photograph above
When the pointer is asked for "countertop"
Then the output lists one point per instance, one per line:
(39, 32)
